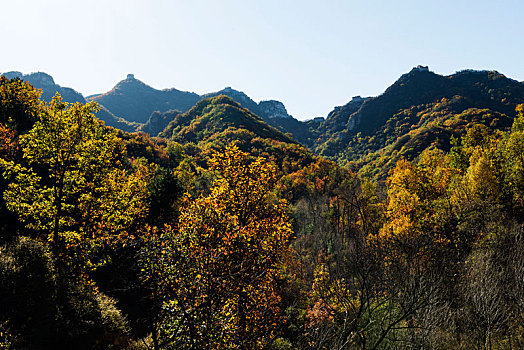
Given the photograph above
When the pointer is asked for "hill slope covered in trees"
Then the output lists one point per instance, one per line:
(227, 233)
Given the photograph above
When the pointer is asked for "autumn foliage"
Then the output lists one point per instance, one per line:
(110, 240)
(220, 266)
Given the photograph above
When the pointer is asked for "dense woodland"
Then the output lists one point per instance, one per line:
(226, 233)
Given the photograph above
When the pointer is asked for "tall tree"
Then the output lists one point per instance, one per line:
(71, 187)
(218, 272)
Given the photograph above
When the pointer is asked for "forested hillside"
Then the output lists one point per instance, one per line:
(226, 233)
(420, 110)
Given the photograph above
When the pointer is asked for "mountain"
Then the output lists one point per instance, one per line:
(133, 105)
(420, 110)
(134, 100)
(273, 112)
(239, 97)
(267, 110)
(482, 89)
(213, 116)
(158, 121)
(138, 102)
(49, 88)
(216, 122)
(46, 83)
(337, 119)
(271, 109)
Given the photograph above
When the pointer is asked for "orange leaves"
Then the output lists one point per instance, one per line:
(223, 263)
(419, 205)
(8, 144)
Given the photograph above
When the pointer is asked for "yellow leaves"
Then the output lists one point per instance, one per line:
(73, 187)
(518, 123)
(224, 259)
(332, 296)
(121, 198)
(244, 180)
(481, 180)
(419, 203)
(20, 104)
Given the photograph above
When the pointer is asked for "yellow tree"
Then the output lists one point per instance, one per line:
(19, 104)
(71, 187)
(513, 160)
(218, 272)
(19, 109)
(418, 199)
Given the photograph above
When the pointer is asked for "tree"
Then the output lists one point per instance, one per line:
(19, 104)
(512, 148)
(19, 109)
(71, 188)
(218, 273)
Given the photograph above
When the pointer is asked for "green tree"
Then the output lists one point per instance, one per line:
(71, 188)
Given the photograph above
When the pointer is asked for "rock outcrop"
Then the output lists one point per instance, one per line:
(273, 109)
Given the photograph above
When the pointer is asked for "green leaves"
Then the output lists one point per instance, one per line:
(71, 186)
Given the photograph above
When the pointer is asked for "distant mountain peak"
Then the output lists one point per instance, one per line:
(43, 78)
(131, 81)
(219, 115)
(36, 78)
(45, 82)
(420, 68)
(134, 100)
(229, 89)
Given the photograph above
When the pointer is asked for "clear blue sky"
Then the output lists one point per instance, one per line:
(311, 55)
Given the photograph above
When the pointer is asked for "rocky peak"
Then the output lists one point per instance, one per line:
(37, 79)
(238, 96)
(420, 68)
(13, 74)
(42, 79)
(242, 97)
(158, 121)
(46, 83)
(357, 100)
(273, 109)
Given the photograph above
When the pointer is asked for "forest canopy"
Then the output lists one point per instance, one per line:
(227, 234)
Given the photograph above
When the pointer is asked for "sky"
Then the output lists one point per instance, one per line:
(311, 55)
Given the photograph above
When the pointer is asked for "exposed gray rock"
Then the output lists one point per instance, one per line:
(273, 109)
(158, 121)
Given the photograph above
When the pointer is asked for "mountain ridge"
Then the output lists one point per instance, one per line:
(420, 109)
(217, 114)
(134, 100)
(46, 83)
